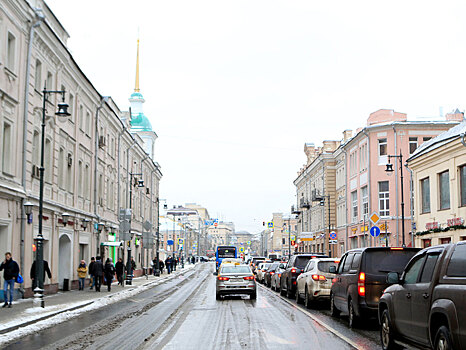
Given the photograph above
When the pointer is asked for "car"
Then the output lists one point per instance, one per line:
(294, 267)
(275, 278)
(269, 273)
(235, 279)
(426, 304)
(316, 281)
(361, 278)
(255, 261)
(231, 261)
(261, 270)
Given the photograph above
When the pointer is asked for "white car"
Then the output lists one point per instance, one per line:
(316, 281)
(260, 271)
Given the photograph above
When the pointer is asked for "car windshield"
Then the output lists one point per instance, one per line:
(236, 269)
(384, 261)
(301, 261)
(324, 266)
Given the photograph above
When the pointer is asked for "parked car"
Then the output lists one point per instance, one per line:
(275, 278)
(235, 279)
(316, 281)
(427, 303)
(261, 270)
(255, 261)
(270, 272)
(361, 277)
(294, 268)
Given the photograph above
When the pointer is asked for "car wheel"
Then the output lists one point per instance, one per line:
(289, 293)
(283, 292)
(217, 296)
(443, 339)
(386, 332)
(307, 299)
(352, 318)
(333, 309)
(254, 296)
(299, 300)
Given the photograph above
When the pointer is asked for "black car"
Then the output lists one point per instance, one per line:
(270, 272)
(361, 278)
(293, 269)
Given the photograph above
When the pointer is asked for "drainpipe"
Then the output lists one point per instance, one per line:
(346, 201)
(411, 191)
(39, 19)
(368, 180)
(118, 165)
(396, 193)
(96, 157)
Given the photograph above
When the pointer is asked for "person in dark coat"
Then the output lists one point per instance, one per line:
(174, 263)
(98, 271)
(10, 273)
(168, 264)
(133, 266)
(91, 273)
(161, 266)
(33, 273)
(109, 272)
(120, 269)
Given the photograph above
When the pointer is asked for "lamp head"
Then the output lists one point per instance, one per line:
(389, 169)
(65, 216)
(84, 223)
(141, 183)
(62, 110)
(28, 208)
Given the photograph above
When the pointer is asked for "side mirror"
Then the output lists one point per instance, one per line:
(215, 273)
(282, 266)
(393, 278)
(332, 269)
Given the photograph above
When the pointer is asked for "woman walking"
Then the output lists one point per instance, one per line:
(82, 272)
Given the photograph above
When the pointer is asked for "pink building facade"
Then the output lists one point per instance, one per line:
(368, 187)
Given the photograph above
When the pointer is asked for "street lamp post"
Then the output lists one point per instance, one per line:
(389, 171)
(129, 276)
(62, 112)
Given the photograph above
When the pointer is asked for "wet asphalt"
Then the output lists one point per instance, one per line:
(184, 314)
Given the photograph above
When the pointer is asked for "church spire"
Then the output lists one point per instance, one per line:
(136, 87)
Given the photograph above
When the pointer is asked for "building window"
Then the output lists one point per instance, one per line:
(446, 240)
(363, 157)
(6, 163)
(426, 243)
(38, 76)
(81, 178)
(61, 168)
(88, 123)
(364, 203)
(384, 200)
(81, 117)
(382, 147)
(412, 144)
(86, 182)
(354, 206)
(463, 185)
(69, 173)
(425, 193)
(50, 81)
(11, 48)
(71, 106)
(444, 186)
(48, 161)
(35, 148)
(425, 139)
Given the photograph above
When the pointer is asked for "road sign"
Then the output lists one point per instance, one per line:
(170, 242)
(333, 235)
(333, 242)
(241, 249)
(180, 241)
(216, 224)
(147, 225)
(374, 218)
(249, 242)
(375, 231)
(270, 224)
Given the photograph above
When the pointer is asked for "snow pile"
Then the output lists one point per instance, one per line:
(54, 320)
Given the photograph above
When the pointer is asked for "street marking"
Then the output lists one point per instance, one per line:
(320, 322)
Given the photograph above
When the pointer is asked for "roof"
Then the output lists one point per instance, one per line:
(452, 134)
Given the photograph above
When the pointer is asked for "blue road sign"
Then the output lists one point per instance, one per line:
(375, 231)
(270, 224)
(169, 242)
(333, 235)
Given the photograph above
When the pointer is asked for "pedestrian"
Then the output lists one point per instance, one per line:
(91, 273)
(109, 272)
(120, 269)
(161, 266)
(98, 271)
(174, 263)
(10, 273)
(154, 266)
(33, 273)
(133, 266)
(168, 264)
(82, 272)
(193, 260)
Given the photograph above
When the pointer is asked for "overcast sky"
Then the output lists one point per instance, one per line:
(235, 88)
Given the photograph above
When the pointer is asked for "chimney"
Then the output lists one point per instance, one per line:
(310, 150)
(347, 134)
(455, 115)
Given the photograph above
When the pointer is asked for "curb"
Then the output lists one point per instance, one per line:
(154, 283)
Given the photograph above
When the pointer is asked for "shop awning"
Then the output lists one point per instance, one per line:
(112, 244)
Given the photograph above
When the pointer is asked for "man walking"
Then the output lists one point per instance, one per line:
(98, 271)
(91, 272)
(10, 273)
(120, 268)
(44, 270)
(109, 272)
(168, 264)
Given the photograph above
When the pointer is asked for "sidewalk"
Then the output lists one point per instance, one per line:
(65, 305)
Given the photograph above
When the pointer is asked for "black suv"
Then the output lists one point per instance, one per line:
(361, 278)
(427, 303)
(293, 269)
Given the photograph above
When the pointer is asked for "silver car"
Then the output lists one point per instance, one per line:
(235, 279)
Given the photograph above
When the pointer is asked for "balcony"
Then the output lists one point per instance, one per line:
(303, 203)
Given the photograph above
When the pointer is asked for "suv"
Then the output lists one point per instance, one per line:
(361, 277)
(293, 269)
(255, 261)
(427, 303)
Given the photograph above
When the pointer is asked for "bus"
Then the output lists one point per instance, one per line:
(225, 251)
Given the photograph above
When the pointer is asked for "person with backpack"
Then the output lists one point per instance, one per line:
(10, 274)
(109, 272)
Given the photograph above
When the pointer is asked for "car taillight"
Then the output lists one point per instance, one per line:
(293, 270)
(279, 275)
(220, 278)
(334, 280)
(249, 278)
(361, 284)
(318, 278)
(272, 273)
(396, 248)
(263, 270)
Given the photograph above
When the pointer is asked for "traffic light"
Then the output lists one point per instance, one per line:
(263, 223)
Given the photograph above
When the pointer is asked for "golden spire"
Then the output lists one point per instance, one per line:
(136, 87)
